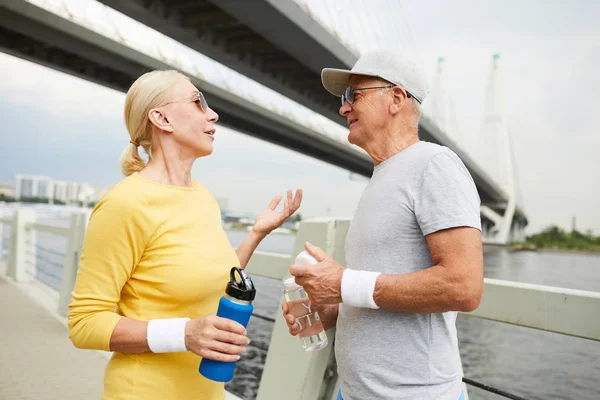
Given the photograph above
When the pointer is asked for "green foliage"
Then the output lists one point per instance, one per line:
(5, 198)
(297, 217)
(34, 199)
(236, 226)
(555, 237)
(43, 200)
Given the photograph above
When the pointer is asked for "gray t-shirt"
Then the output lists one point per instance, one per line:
(385, 354)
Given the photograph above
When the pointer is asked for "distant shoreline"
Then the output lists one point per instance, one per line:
(556, 250)
(551, 250)
(275, 232)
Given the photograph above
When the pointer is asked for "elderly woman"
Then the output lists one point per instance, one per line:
(156, 259)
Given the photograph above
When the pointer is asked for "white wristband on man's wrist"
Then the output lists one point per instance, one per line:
(358, 288)
(167, 335)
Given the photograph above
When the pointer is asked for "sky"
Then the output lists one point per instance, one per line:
(550, 58)
(69, 129)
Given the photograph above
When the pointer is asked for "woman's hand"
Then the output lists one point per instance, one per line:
(216, 338)
(271, 219)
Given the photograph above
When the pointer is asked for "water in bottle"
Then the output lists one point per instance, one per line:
(236, 305)
(312, 334)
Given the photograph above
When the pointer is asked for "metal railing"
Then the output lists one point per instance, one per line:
(23, 250)
(312, 376)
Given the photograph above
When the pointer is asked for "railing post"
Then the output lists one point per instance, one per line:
(21, 265)
(75, 242)
(290, 373)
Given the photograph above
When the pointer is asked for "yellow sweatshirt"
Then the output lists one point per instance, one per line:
(150, 251)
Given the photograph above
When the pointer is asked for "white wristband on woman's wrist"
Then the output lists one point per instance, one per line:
(166, 335)
(358, 288)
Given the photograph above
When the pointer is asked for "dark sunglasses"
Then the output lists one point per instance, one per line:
(348, 95)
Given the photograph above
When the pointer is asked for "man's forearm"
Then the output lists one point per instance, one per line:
(246, 249)
(432, 290)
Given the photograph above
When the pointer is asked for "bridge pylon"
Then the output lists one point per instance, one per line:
(440, 106)
(499, 225)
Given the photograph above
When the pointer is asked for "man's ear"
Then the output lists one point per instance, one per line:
(158, 118)
(399, 100)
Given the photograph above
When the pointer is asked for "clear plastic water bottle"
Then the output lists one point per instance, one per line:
(312, 334)
(235, 305)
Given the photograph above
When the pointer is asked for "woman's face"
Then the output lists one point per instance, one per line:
(191, 120)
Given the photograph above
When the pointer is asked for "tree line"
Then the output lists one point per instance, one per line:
(39, 200)
(555, 237)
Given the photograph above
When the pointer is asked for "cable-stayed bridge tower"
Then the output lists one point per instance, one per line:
(502, 223)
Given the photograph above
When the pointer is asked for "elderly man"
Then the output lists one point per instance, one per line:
(413, 252)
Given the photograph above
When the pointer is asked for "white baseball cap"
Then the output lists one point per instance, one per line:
(393, 66)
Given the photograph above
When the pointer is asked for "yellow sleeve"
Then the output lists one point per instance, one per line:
(116, 236)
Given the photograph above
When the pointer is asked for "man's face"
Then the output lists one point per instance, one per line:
(369, 113)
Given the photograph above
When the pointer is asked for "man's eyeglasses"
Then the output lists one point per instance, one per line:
(348, 95)
(198, 99)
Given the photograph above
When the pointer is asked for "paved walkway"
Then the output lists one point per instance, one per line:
(37, 359)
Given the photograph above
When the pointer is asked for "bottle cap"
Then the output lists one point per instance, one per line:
(290, 283)
(305, 258)
(242, 290)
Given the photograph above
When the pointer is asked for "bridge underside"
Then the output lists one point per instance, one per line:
(274, 43)
(31, 33)
(77, 51)
(278, 45)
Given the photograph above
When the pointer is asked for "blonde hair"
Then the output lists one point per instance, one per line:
(150, 90)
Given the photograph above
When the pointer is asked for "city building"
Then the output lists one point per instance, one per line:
(33, 186)
(43, 187)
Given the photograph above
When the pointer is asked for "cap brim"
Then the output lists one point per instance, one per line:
(337, 80)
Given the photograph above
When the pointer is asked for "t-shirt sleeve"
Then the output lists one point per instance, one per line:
(447, 196)
(115, 239)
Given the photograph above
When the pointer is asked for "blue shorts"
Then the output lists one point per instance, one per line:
(339, 396)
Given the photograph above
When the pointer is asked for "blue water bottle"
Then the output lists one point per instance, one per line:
(235, 305)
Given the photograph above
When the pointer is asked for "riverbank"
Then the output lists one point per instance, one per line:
(556, 239)
(533, 247)
(246, 228)
(569, 251)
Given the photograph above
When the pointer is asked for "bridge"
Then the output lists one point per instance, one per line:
(276, 48)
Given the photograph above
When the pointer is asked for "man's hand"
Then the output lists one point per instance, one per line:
(323, 281)
(327, 313)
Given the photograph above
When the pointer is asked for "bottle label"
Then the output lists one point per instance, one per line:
(307, 318)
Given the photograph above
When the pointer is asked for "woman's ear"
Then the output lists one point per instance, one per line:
(158, 118)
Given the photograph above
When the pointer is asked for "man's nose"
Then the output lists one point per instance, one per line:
(345, 108)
